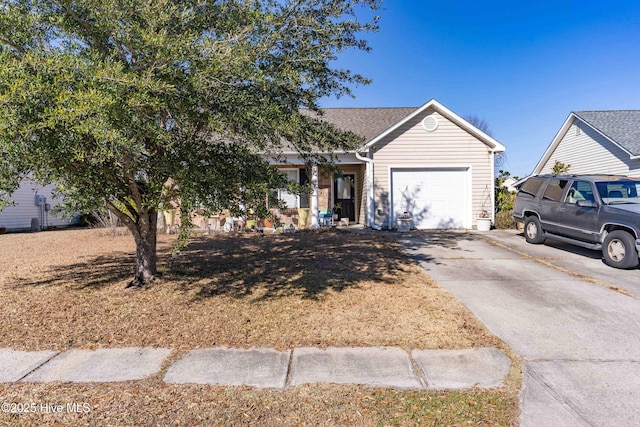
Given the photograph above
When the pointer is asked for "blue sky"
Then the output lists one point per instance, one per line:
(520, 66)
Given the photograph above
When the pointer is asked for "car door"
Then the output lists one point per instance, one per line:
(550, 203)
(579, 222)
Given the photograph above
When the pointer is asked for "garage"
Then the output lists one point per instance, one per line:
(436, 198)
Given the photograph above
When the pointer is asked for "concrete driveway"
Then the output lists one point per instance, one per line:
(574, 320)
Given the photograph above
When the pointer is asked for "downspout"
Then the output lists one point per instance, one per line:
(370, 222)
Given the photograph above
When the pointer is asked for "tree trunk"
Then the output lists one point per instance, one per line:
(145, 235)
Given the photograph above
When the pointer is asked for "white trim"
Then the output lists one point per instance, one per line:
(297, 170)
(313, 203)
(370, 217)
(493, 145)
(566, 127)
(295, 159)
(463, 167)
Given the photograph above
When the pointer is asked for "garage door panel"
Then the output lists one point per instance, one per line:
(435, 198)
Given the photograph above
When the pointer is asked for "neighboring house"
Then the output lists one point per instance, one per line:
(510, 184)
(427, 161)
(31, 201)
(596, 142)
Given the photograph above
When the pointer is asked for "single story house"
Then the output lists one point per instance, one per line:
(426, 163)
(603, 142)
(30, 201)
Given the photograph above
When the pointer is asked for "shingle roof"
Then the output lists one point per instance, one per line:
(366, 122)
(622, 126)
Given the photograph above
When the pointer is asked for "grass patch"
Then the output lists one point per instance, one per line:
(65, 289)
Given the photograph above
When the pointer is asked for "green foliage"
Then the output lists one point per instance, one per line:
(110, 99)
(560, 168)
(504, 201)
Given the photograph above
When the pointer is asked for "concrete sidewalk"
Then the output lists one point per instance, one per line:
(385, 367)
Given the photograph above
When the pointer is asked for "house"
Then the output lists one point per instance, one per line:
(427, 163)
(510, 184)
(602, 142)
(30, 201)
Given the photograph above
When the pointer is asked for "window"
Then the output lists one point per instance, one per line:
(554, 189)
(344, 186)
(531, 186)
(288, 200)
(617, 191)
(580, 190)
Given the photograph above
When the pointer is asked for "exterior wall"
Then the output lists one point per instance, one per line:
(448, 146)
(325, 188)
(590, 153)
(18, 217)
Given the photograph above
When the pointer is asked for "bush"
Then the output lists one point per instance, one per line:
(504, 220)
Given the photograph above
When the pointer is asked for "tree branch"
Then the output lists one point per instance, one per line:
(9, 43)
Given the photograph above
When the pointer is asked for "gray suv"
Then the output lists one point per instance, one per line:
(600, 212)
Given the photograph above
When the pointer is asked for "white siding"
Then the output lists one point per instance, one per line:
(448, 146)
(590, 153)
(18, 217)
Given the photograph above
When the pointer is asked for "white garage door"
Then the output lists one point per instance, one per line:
(435, 198)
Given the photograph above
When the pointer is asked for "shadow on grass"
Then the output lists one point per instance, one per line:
(307, 264)
(103, 270)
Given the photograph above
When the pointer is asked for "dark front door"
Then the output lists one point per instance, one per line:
(344, 194)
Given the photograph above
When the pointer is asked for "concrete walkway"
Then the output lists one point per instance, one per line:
(385, 367)
(579, 337)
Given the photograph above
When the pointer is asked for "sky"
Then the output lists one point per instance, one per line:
(521, 66)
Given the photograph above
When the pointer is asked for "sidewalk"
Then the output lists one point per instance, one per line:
(386, 367)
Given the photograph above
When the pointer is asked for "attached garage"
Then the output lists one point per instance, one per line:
(436, 198)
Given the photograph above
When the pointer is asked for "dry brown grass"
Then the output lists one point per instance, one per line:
(65, 289)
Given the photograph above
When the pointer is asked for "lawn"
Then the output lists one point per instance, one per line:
(66, 289)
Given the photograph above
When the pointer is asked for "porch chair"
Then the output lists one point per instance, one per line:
(325, 217)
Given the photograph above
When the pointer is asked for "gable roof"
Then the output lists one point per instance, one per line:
(621, 127)
(494, 145)
(376, 123)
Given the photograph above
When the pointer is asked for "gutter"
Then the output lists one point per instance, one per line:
(369, 172)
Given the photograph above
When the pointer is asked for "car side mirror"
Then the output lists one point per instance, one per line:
(586, 204)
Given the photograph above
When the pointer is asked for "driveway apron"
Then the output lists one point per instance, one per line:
(580, 340)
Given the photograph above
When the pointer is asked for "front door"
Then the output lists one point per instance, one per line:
(344, 192)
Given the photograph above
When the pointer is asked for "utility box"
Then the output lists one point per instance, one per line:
(40, 200)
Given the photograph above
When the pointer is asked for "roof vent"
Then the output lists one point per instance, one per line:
(430, 123)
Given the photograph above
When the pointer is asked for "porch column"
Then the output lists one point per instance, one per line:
(314, 197)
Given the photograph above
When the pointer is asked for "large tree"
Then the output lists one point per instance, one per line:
(113, 99)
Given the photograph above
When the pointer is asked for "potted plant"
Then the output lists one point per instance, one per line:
(483, 221)
(337, 210)
(403, 223)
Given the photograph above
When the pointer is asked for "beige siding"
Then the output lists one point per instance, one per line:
(590, 152)
(448, 146)
(18, 217)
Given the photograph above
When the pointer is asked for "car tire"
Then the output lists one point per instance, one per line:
(619, 250)
(533, 232)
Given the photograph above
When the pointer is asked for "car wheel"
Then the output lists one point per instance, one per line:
(533, 230)
(619, 250)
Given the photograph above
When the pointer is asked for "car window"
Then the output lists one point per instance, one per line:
(554, 189)
(615, 192)
(580, 190)
(531, 186)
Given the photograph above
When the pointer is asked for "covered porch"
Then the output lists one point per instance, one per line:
(339, 197)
